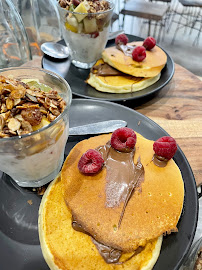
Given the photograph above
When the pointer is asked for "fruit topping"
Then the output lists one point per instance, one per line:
(94, 34)
(165, 147)
(149, 43)
(139, 54)
(90, 25)
(90, 162)
(75, 2)
(123, 139)
(32, 115)
(83, 8)
(121, 39)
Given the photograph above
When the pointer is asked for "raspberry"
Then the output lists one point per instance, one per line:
(90, 162)
(165, 147)
(75, 2)
(149, 43)
(121, 39)
(94, 34)
(139, 53)
(123, 139)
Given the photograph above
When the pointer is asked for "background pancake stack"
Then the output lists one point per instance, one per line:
(121, 74)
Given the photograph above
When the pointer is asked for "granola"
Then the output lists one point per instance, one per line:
(94, 6)
(87, 17)
(25, 108)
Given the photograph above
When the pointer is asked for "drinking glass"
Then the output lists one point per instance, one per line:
(35, 159)
(41, 20)
(85, 34)
(14, 44)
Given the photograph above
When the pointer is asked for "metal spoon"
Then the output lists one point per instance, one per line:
(97, 128)
(55, 50)
(59, 51)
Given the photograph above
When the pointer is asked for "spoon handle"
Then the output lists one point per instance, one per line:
(97, 128)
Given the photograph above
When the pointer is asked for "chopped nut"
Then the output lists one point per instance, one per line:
(33, 116)
(52, 95)
(54, 103)
(5, 91)
(30, 202)
(6, 115)
(14, 124)
(19, 117)
(34, 99)
(22, 107)
(35, 93)
(16, 101)
(62, 105)
(41, 190)
(3, 135)
(54, 111)
(47, 102)
(26, 126)
(51, 117)
(12, 133)
(22, 132)
(2, 122)
(3, 108)
(2, 79)
(26, 106)
(14, 111)
(43, 110)
(18, 93)
(9, 103)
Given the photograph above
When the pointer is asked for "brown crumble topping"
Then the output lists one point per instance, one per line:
(95, 6)
(22, 107)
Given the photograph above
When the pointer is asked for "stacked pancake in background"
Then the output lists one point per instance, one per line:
(122, 70)
(117, 195)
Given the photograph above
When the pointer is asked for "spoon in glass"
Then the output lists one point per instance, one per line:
(55, 50)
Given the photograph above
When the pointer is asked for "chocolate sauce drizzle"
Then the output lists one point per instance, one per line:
(126, 49)
(122, 178)
(159, 161)
(104, 69)
(131, 187)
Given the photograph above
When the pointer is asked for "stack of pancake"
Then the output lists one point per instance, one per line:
(153, 210)
(117, 72)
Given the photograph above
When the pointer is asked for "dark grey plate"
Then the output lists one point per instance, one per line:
(76, 78)
(19, 243)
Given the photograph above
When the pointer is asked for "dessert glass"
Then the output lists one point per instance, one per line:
(85, 34)
(35, 159)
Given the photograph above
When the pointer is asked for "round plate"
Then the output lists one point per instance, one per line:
(76, 78)
(19, 242)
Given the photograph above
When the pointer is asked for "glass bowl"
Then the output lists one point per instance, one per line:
(34, 159)
(85, 34)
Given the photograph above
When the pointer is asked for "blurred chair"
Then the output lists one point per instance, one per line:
(42, 21)
(115, 16)
(14, 44)
(146, 10)
(187, 14)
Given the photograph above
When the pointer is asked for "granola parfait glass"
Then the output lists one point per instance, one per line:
(85, 28)
(35, 158)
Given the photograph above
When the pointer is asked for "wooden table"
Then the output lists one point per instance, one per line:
(178, 109)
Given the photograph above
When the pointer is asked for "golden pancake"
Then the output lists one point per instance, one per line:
(119, 84)
(66, 249)
(151, 66)
(153, 210)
